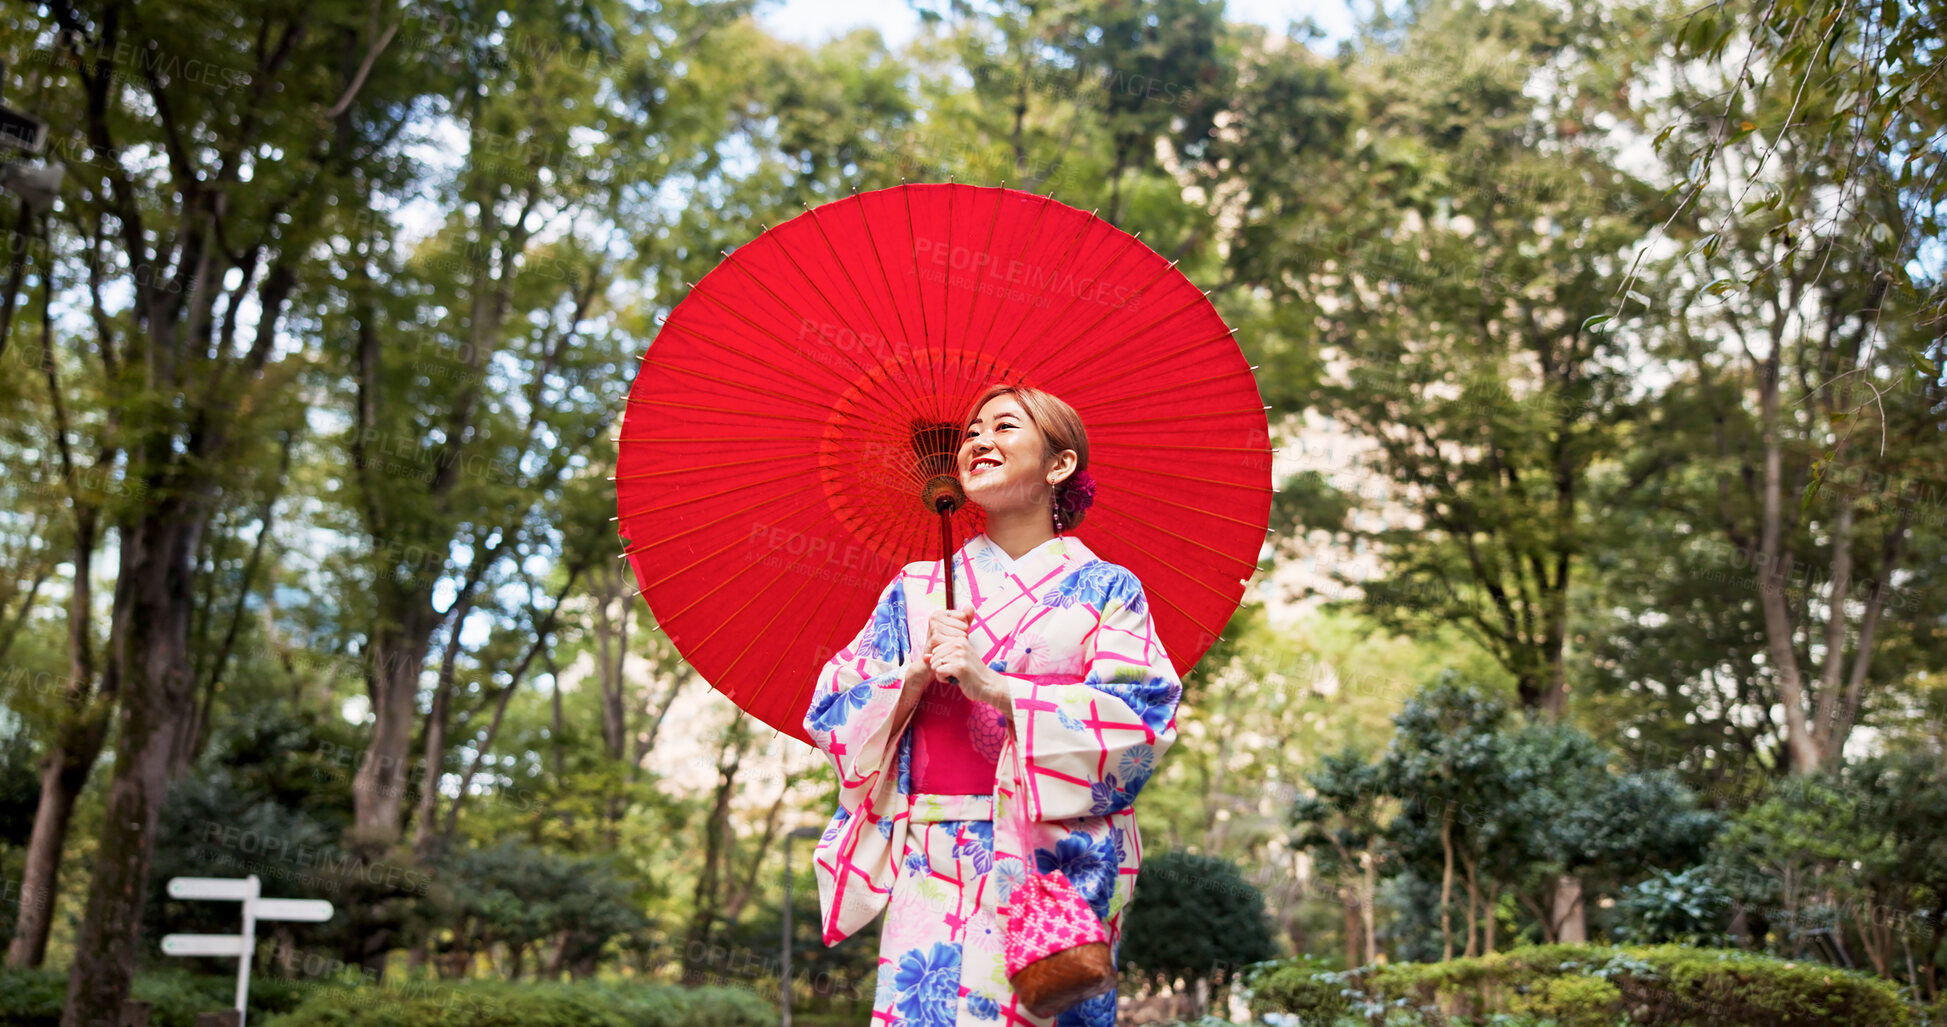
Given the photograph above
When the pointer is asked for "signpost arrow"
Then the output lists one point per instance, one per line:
(247, 891)
(220, 889)
(202, 944)
(308, 910)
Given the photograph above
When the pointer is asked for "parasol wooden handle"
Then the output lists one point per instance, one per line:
(943, 494)
(946, 561)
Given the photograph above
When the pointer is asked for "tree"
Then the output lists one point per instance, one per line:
(1340, 825)
(1847, 87)
(1848, 855)
(1196, 922)
(1506, 810)
(1449, 255)
(1903, 880)
(1445, 764)
(203, 198)
(1090, 102)
(1576, 818)
(518, 898)
(1258, 710)
(439, 459)
(1806, 171)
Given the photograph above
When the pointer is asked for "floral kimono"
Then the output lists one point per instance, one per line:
(1094, 699)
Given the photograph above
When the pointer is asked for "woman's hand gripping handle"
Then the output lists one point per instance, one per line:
(948, 653)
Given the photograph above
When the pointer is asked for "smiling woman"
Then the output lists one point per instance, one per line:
(1065, 700)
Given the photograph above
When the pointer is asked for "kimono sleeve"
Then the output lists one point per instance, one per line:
(1089, 747)
(850, 716)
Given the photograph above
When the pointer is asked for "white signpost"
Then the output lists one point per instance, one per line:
(255, 908)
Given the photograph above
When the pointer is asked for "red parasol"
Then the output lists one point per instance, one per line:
(787, 416)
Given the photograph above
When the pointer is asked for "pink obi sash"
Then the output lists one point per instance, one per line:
(957, 742)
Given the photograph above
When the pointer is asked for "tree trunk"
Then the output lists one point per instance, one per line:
(608, 586)
(734, 908)
(398, 655)
(70, 759)
(647, 740)
(1348, 895)
(707, 898)
(1862, 658)
(196, 731)
(556, 723)
(64, 771)
(1827, 709)
(1368, 897)
(426, 834)
(1544, 919)
(67, 763)
(1774, 572)
(1570, 915)
(151, 631)
(1446, 884)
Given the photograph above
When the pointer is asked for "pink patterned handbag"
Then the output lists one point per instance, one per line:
(1056, 951)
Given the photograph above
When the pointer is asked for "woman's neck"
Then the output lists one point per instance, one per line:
(1018, 532)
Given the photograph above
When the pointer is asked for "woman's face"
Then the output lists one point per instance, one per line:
(1001, 457)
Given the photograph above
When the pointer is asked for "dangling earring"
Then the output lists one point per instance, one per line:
(1057, 506)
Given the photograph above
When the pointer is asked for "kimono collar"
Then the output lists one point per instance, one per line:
(984, 554)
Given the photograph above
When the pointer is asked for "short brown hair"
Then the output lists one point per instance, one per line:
(1061, 428)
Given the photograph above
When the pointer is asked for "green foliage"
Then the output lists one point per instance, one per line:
(1747, 988)
(1194, 917)
(179, 995)
(1514, 803)
(34, 998)
(1687, 906)
(1600, 986)
(265, 799)
(20, 786)
(1305, 985)
(1859, 853)
(499, 1004)
(1569, 1001)
(31, 998)
(460, 267)
(518, 894)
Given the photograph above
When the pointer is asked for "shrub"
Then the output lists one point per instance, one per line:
(34, 998)
(1575, 1001)
(1683, 907)
(1194, 917)
(501, 1004)
(31, 998)
(1599, 986)
(1733, 987)
(1305, 986)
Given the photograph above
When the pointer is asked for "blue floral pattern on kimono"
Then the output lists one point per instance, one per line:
(929, 985)
(1088, 863)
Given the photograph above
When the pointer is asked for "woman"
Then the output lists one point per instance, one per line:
(1065, 700)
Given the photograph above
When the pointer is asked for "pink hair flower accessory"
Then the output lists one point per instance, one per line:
(1079, 494)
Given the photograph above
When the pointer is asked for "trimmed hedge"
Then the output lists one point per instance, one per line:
(501, 1004)
(1595, 986)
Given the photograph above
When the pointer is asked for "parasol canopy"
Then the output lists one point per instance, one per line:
(786, 417)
